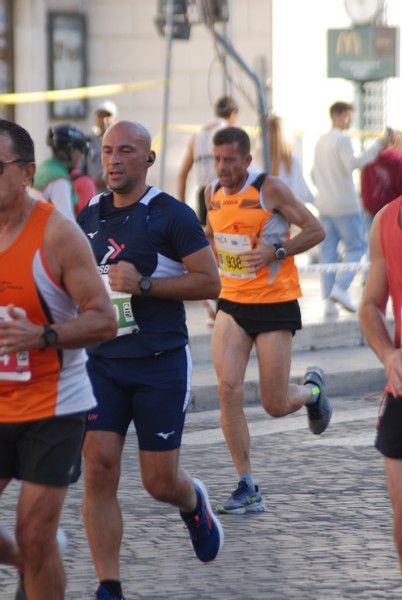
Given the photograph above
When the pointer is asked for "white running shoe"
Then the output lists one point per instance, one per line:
(342, 297)
(330, 308)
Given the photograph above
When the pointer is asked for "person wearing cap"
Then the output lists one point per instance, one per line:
(53, 182)
(105, 114)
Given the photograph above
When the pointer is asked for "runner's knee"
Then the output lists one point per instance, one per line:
(276, 406)
(161, 489)
(101, 472)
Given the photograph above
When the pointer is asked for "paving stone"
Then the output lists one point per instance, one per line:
(326, 533)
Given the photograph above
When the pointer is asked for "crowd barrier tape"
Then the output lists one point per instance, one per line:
(190, 128)
(78, 93)
(334, 267)
(119, 88)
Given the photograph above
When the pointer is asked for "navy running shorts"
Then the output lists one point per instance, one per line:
(260, 318)
(389, 428)
(46, 452)
(153, 392)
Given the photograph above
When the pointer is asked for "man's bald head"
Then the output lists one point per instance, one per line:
(126, 158)
(130, 129)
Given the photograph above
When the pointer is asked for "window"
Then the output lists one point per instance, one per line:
(67, 62)
(6, 57)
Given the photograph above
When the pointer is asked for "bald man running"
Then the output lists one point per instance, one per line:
(153, 254)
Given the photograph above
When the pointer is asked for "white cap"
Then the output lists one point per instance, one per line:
(109, 107)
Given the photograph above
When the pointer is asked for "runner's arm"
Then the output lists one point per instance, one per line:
(208, 229)
(278, 197)
(373, 309)
(185, 169)
(72, 265)
(201, 282)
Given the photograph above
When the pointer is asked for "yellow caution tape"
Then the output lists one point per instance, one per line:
(77, 93)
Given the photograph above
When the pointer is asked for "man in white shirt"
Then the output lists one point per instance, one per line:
(339, 203)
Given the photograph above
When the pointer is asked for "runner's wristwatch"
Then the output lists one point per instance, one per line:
(49, 336)
(145, 286)
(280, 252)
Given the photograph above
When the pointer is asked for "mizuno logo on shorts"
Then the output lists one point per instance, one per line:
(165, 435)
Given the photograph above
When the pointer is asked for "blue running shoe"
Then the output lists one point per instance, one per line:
(319, 413)
(206, 532)
(242, 500)
(102, 594)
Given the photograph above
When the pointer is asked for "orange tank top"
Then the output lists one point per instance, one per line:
(38, 384)
(234, 219)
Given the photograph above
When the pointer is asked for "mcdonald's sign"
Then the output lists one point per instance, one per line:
(363, 53)
(349, 43)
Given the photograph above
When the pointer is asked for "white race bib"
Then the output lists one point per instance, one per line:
(122, 306)
(229, 246)
(14, 366)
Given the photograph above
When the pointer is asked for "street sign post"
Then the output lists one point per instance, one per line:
(366, 53)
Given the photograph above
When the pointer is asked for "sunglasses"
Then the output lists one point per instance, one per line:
(3, 163)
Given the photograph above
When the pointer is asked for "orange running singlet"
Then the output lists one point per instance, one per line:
(234, 219)
(39, 383)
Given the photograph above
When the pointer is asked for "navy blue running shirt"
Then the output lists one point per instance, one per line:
(154, 234)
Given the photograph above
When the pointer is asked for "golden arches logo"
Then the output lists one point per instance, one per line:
(348, 42)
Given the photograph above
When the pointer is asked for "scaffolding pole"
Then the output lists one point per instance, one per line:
(166, 95)
(262, 103)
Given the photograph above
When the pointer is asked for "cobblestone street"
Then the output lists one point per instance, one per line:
(326, 533)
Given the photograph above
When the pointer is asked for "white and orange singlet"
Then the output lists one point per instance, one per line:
(39, 383)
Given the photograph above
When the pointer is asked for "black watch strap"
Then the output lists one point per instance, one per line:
(145, 285)
(50, 336)
(280, 252)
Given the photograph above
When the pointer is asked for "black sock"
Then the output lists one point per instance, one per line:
(113, 586)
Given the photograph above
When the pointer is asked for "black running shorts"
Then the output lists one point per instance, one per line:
(260, 318)
(389, 428)
(47, 451)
